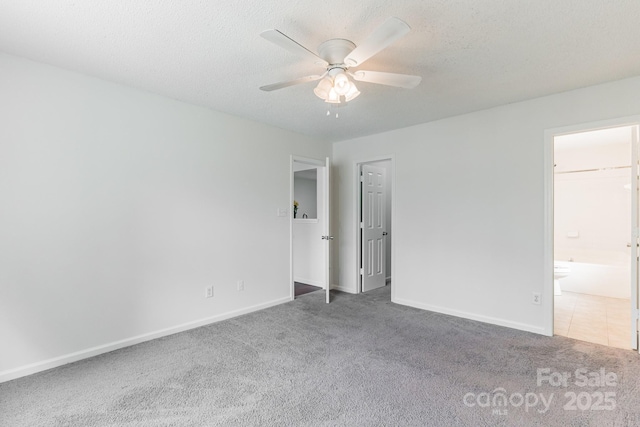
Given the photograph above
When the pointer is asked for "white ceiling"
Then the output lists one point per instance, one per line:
(471, 54)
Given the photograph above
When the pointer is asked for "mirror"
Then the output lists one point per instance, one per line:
(305, 193)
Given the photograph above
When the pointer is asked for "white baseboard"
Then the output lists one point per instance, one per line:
(33, 368)
(343, 289)
(311, 282)
(472, 316)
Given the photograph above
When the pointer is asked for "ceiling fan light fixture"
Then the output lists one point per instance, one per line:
(341, 84)
(333, 97)
(352, 94)
(340, 55)
(323, 88)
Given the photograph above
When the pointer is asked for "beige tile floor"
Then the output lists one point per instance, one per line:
(593, 318)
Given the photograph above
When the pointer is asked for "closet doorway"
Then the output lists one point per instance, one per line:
(374, 223)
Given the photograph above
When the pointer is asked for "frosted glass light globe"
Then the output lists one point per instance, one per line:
(341, 84)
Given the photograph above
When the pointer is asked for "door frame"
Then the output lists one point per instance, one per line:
(357, 202)
(548, 250)
(318, 163)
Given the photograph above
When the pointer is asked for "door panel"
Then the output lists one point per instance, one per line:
(327, 230)
(635, 234)
(372, 224)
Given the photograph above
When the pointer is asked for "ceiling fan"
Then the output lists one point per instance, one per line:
(339, 56)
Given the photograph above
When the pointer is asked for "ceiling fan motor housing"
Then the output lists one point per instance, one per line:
(335, 50)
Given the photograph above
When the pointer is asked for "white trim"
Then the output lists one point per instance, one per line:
(33, 368)
(308, 161)
(309, 281)
(547, 268)
(326, 198)
(549, 134)
(343, 289)
(472, 316)
(292, 291)
(394, 197)
(357, 181)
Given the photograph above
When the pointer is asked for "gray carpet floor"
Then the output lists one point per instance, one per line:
(359, 361)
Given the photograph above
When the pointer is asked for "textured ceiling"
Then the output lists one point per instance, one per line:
(471, 54)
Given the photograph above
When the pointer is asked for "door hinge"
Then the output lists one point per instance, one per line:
(636, 314)
(362, 271)
(362, 225)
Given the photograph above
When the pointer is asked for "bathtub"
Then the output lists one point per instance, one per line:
(604, 273)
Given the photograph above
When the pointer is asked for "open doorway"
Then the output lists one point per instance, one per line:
(595, 244)
(374, 224)
(309, 226)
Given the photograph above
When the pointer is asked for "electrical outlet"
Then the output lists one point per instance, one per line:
(208, 292)
(240, 285)
(537, 299)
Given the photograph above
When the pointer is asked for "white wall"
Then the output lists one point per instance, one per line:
(592, 216)
(308, 247)
(470, 204)
(118, 208)
(306, 194)
(571, 157)
(592, 209)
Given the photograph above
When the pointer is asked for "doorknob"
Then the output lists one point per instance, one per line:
(384, 233)
(327, 237)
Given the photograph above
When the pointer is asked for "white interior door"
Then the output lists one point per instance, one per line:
(372, 224)
(635, 235)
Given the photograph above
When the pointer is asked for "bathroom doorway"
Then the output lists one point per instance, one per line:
(595, 235)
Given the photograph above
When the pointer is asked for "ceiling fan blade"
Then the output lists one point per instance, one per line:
(391, 30)
(390, 79)
(286, 42)
(276, 86)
